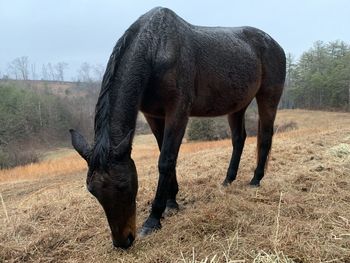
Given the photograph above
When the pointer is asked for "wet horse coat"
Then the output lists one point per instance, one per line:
(170, 70)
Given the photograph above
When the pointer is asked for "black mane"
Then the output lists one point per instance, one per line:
(102, 145)
(101, 149)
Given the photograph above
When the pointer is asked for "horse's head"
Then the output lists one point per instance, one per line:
(115, 187)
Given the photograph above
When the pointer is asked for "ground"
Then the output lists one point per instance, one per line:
(301, 212)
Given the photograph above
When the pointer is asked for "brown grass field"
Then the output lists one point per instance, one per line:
(301, 213)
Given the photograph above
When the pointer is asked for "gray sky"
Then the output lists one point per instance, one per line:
(77, 31)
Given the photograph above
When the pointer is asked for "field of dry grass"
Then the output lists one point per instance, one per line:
(301, 213)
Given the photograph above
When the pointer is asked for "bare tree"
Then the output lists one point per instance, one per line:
(60, 67)
(98, 72)
(12, 71)
(5, 77)
(44, 72)
(22, 64)
(33, 71)
(19, 68)
(51, 71)
(84, 73)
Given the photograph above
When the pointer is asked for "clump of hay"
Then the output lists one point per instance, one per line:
(277, 257)
(286, 126)
(341, 150)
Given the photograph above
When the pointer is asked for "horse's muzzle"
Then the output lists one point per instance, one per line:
(125, 245)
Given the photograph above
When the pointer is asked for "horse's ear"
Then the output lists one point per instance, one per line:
(80, 144)
(124, 146)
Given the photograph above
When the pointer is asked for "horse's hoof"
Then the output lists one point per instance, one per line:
(172, 204)
(151, 225)
(254, 183)
(145, 231)
(172, 208)
(226, 182)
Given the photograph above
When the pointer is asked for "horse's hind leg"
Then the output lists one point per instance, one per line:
(157, 126)
(238, 135)
(267, 100)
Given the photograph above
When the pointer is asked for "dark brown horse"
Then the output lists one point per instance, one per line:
(170, 70)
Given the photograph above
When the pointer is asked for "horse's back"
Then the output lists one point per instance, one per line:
(231, 65)
(223, 67)
(238, 45)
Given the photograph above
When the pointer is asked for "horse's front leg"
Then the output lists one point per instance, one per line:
(157, 126)
(175, 126)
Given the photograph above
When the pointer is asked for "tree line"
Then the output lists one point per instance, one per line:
(320, 79)
(21, 68)
(30, 120)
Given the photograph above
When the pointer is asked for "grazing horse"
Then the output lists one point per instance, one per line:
(169, 70)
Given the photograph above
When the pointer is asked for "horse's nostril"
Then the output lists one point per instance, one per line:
(130, 239)
(115, 244)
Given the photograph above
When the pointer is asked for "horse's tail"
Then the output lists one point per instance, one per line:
(101, 148)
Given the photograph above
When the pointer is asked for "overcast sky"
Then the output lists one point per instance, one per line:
(77, 31)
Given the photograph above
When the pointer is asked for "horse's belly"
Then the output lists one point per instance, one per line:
(222, 100)
(228, 87)
(213, 108)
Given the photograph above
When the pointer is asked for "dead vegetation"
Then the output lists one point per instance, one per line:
(300, 214)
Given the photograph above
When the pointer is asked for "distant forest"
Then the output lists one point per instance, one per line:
(34, 119)
(320, 79)
(36, 115)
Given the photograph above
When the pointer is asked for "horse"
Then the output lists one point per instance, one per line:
(170, 70)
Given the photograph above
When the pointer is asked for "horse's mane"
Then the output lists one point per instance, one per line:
(100, 153)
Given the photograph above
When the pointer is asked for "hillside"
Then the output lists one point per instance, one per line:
(301, 213)
(59, 88)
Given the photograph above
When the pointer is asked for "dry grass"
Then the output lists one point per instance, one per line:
(68, 164)
(300, 214)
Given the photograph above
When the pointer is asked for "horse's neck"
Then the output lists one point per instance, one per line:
(123, 117)
(125, 102)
